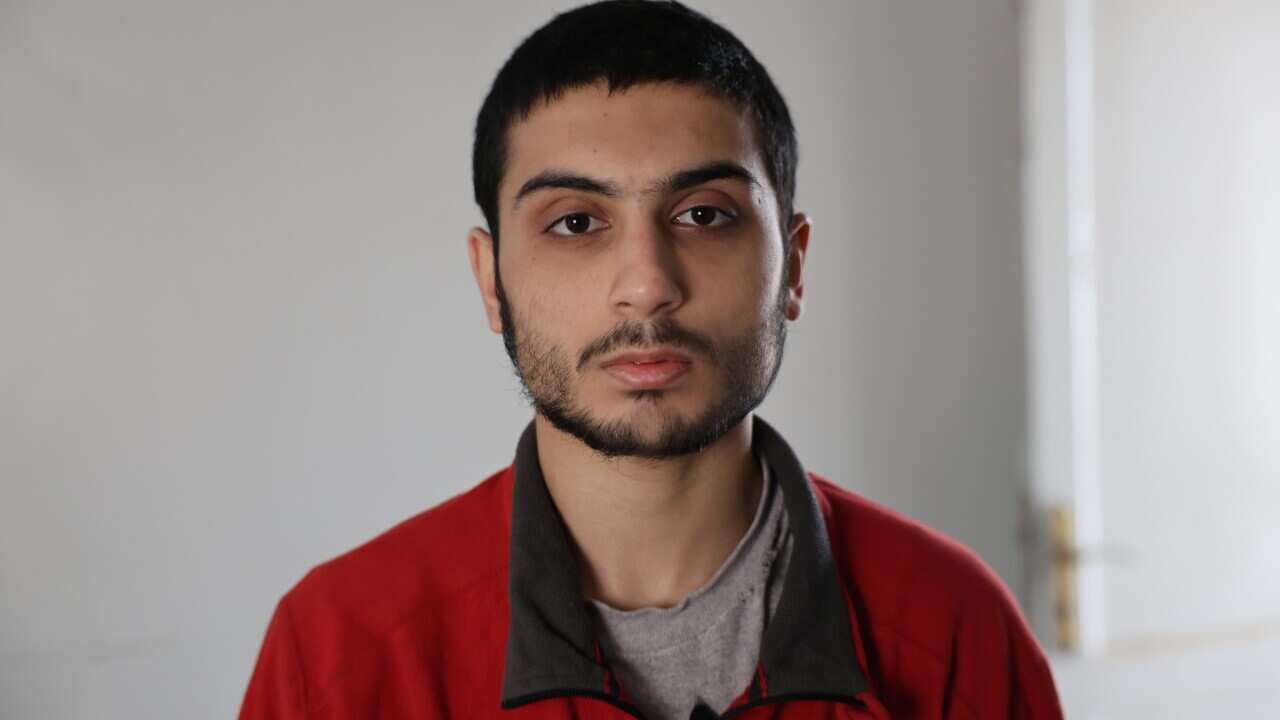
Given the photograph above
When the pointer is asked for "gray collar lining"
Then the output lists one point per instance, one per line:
(552, 651)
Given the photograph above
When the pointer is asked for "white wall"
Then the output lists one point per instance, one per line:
(239, 334)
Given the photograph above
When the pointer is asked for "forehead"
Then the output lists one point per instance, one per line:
(630, 137)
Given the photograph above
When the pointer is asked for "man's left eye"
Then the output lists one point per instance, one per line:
(706, 216)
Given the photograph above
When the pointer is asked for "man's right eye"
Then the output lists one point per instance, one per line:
(575, 224)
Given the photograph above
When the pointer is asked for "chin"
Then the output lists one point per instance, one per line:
(647, 406)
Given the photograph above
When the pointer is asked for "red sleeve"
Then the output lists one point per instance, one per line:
(998, 669)
(276, 689)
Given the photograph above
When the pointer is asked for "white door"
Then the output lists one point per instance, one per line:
(1154, 275)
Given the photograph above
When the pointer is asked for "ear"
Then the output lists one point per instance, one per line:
(480, 250)
(798, 232)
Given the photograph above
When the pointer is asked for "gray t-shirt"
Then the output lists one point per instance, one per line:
(705, 648)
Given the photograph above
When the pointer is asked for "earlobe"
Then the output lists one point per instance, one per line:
(483, 267)
(799, 230)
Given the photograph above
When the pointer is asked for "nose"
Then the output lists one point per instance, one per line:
(648, 280)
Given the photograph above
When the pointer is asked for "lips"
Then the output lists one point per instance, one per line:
(648, 370)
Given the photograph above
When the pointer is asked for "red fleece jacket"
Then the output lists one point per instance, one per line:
(414, 624)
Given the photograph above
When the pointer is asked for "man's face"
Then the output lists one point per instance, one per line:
(640, 287)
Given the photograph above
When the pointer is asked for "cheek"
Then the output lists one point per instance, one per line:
(530, 284)
(750, 283)
(557, 311)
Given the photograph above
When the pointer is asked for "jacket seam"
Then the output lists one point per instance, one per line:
(901, 592)
(931, 654)
(1045, 672)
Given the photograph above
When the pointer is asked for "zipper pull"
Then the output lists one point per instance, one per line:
(702, 712)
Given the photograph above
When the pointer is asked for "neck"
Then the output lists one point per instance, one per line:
(649, 532)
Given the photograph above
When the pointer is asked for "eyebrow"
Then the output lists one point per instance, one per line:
(694, 177)
(682, 180)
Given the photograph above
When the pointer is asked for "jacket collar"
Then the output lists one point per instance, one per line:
(807, 651)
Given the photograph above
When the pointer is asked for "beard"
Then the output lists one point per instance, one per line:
(746, 366)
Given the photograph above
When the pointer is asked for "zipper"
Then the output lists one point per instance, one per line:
(700, 711)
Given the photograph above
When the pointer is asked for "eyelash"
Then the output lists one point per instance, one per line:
(724, 218)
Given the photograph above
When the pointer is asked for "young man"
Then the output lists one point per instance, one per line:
(655, 550)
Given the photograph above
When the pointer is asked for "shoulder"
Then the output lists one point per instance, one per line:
(399, 600)
(901, 556)
(423, 562)
(923, 596)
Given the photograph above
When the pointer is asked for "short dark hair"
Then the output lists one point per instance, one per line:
(626, 43)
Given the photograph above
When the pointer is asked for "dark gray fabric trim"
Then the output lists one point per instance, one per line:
(808, 645)
(550, 644)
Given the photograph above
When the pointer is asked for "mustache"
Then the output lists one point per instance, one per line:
(642, 335)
